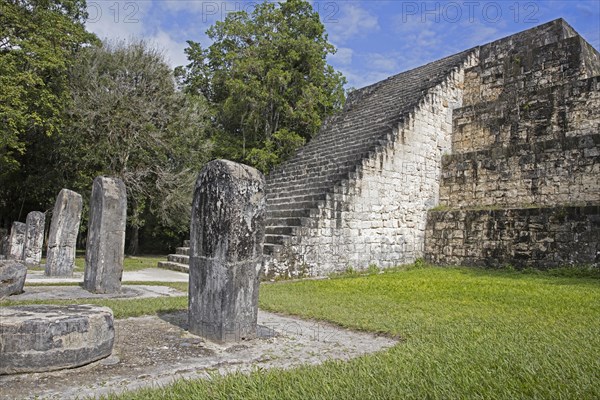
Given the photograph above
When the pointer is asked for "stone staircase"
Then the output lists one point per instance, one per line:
(368, 123)
(179, 261)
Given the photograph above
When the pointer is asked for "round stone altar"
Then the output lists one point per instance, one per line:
(39, 338)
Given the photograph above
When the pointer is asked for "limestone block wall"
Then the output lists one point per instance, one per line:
(522, 185)
(530, 237)
(552, 159)
(378, 215)
(537, 85)
(558, 171)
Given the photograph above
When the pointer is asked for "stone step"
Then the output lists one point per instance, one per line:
(297, 213)
(300, 205)
(173, 266)
(270, 249)
(179, 258)
(279, 230)
(295, 199)
(300, 186)
(328, 159)
(276, 239)
(183, 251)
(297, 221)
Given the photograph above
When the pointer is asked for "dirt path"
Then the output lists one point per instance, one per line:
(153, 351)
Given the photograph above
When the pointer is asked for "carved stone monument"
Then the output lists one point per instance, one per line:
(34, 238)
(16, 241)
(227, 232)
(63, 234)
(12, 277)
(106, 236)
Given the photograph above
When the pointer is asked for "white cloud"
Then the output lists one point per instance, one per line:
(359, 78)
(211, 10)
(343, 56)
(352, 21)
(383, 62)
(117, 20)
(476, 33)
(172, 49)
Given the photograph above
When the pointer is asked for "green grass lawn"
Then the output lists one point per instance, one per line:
(465, 333)
(130, 263)
(122, 308)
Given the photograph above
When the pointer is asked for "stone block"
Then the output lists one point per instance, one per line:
(16, 241)
(106, 236)
(34, 238)
(62, 240)
(227, 233)
(40, 338)
(12, 277)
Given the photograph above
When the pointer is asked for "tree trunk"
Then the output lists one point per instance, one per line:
(135, 229)
(134, 241)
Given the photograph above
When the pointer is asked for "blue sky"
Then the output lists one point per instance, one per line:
(375, 39)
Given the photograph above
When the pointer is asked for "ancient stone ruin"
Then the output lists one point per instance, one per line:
(180, 260)
(39, 338)
(16, 241)
(106, 236)
(486, 157)
(64, 227)
(227, 230)
(12, 277)
(34, 237)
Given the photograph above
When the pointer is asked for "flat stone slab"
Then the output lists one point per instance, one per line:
(144, 275)
(154, 351)
(77, 292)
(40, 338)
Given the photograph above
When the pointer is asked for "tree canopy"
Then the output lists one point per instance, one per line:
(267, 80)
(38, 39)
(38, 42)
(73, 108)
(127, 120)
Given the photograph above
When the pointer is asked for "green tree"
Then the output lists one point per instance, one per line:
(267, 80)
(38, 41)
(127, 119)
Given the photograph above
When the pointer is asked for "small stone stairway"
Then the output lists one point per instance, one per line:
(179, 261)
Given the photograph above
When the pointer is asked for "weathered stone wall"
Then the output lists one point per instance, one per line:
(552, 112)
(522, 185)
(558, 171)
(527, 237)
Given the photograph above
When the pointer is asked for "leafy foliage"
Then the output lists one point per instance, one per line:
(38, 41)
(127, 120)
(267, 80)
